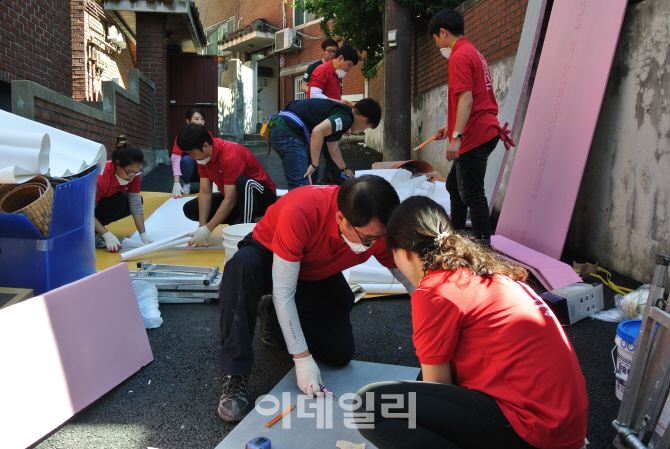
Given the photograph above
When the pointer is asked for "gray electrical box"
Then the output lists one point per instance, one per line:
(575, 302)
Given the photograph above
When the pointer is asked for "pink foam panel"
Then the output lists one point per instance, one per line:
(61, 351)
(559, 124)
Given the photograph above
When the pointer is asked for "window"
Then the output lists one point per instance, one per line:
(301, 17)
(297, 82)
(215, 34)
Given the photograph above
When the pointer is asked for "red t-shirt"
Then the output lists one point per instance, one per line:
(108, 185)
(502, 340)
(230, 161)
(325, 78)
(175, 148)
(468, 71)
(301, 227)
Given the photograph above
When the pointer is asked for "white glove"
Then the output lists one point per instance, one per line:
(177, 191)
(145, 238)
(309, 376)
(199, 235)
(112, 242)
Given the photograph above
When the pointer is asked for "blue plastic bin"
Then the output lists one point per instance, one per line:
(28, 260)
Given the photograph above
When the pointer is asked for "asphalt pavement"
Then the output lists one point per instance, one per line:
(171, 403)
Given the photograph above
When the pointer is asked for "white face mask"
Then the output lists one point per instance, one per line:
(122, 181)
(340, 73)
(446, 52)
(358, 248)
(204, 161)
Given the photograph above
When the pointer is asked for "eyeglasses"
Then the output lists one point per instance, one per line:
(131, 174)
(332, 52)
(369, 240)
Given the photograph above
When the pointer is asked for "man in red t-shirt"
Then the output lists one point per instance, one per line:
(326, 83)
(247, 190)
(295, 257)
(472, 123)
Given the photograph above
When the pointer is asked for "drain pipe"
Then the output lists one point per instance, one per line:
(283, 7)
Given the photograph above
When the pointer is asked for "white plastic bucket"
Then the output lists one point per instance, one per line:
(231, 237)
(626, 339)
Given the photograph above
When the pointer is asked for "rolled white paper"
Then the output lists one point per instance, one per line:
(156, 246)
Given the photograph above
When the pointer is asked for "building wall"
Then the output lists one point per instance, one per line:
(152, 63)
(621, 218)
(89, 34)
(216, 11)
(35, 43)
(122, 111)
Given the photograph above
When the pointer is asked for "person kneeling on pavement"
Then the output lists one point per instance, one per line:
(297, 252)
(247, 189)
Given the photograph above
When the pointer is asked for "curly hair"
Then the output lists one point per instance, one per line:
(422, 226)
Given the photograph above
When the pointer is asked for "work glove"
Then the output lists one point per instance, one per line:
(199, 235)
(177, 191)
(111, 242)
(145, 238)
(309, 376)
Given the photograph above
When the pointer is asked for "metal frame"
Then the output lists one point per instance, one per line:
(649, 379)
(180, 283)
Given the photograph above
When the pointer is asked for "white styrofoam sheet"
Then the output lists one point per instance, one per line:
(66, 153)
(314, 419)
(168, 221)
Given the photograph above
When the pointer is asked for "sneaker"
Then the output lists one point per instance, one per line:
(187, 189)
(99, 242)
(235, 402)
(265, 309)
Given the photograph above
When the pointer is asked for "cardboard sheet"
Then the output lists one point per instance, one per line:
(314, 419)
(516, 93)
(67, 154)
(564, 106)
(550, 272)
(65, 349)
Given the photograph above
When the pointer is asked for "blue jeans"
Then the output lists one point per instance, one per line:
(187, 166)
(294, 154)
(465, 185)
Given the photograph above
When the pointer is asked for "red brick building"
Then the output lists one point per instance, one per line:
(247, 30)
(95, 68)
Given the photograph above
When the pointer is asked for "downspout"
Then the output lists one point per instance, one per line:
(283, 8)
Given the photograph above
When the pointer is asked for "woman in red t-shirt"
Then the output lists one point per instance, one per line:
(498, 370)
(182, 165)
(118, 195)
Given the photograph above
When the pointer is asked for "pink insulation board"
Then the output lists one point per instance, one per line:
(564, 106)
(65, 349)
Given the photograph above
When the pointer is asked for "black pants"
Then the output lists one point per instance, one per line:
(323, 308)
(465, 184)
(253, 199)
(447, 417)
(113, 208)
(331, 166)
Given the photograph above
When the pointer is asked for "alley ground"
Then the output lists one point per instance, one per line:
(171, 403)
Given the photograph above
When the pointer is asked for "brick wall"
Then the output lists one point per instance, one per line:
(131, 120)
(152, 63)
(216, 11)
(89, 34)
(377, 85)
(493, 26)
(35, 43)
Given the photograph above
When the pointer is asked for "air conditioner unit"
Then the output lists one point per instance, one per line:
(287, 40)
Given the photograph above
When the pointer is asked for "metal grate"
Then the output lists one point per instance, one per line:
(297, 82)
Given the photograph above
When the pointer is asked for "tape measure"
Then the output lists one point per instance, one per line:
(259, 443)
